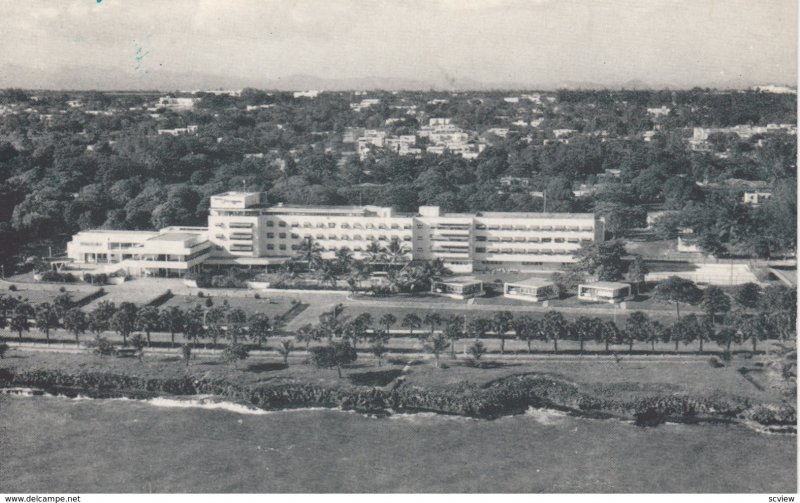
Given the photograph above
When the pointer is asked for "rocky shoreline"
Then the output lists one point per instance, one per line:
(504, 397)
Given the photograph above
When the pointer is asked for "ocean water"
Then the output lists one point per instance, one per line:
(56, 444)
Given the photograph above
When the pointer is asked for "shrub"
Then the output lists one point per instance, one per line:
(58, 277)
(209, 302)
(3, 349)
(256, 296)
(12, 288)
(101, 346)
(201, 294)
(62, 289)
(234, 352)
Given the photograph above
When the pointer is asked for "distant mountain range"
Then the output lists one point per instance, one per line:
(87, 77)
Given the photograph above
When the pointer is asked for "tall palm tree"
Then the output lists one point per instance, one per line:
(7, 304)
(259, 328)
(525, 329)
(686, 330)
(637, 328)
(436, 344)
(453, 332)
(344, 260)
(477, 327)
(755, 328)
(715, 300)
(214, 322)
(172, 321)
(584, 328)
(75, 322)
(147, 320)
(310, 254)
(193, 324)
(63, 303)
(607, 332)
(501, 323)
(433, 320)
(412, 322)
(327, 274)
(393, 252)
(726, 336)
(46, 319)
(555, 327)
(374, 253)
(284, 349)
(20, 318)
(387, 320)
(306, 334)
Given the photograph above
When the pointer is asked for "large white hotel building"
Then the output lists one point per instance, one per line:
(244, 231)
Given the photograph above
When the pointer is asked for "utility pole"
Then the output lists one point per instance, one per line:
(544, 209)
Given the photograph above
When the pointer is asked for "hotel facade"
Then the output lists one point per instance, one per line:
(243, 231)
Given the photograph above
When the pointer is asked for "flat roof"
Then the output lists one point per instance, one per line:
(303, 208)
(118, 232)
(179, 237)
(611, 285)
(232, 193)
(246, 260)
(537, 282)
(511, 214)
(460, 280)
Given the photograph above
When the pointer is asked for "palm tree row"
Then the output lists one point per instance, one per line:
(195, 324)
(401, 274)
(738, 327)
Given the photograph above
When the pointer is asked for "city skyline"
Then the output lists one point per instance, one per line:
(350, 44)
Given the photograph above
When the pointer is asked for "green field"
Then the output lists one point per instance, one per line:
(36, 295)
(272, 306)
(633, 376)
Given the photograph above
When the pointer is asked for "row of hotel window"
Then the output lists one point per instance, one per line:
(494, 227)
(496, 251)
(282, 247)
(358, 237)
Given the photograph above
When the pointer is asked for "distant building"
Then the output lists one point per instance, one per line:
(771, 88)
(756, 198)
(171, 252)
(563, 133)
(306, 94)
(179, 131)
(458, 288)
(687, 242)
(514, 181)
(502, 132)
(531, 289)
(253, 108)
(177, 104)
(604, 291)
(352, 134)
(654, 216)
(364, 104)
(659, 112)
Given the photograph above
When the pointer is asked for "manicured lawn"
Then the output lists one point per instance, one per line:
(602, 376)
(38, 295)
(269, 305)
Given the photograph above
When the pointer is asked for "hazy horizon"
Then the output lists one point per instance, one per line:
(413, 45)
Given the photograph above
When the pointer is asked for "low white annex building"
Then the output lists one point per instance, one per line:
(604, 291)
(531, 289)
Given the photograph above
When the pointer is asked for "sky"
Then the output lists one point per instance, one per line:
(441, 43)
